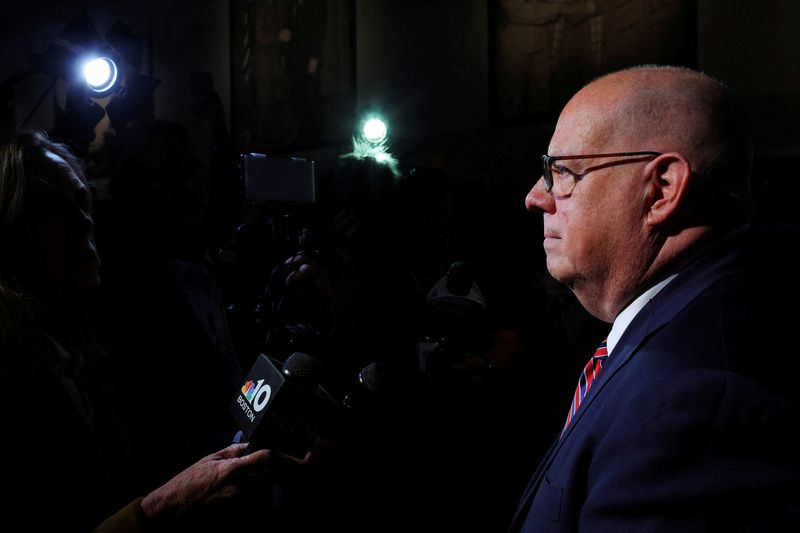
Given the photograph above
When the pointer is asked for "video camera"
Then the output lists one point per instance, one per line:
(282, 180)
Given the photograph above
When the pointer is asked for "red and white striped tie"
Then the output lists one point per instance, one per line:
(589, 374)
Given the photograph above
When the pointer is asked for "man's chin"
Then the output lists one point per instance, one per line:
(556, 269)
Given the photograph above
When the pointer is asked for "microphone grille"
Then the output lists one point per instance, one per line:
(374, 376)
(302, 368)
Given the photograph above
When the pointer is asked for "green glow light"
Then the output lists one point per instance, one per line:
(374, 130)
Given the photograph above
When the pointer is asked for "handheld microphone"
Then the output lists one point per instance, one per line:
(284, 409)
(380, 411)
(374, 382)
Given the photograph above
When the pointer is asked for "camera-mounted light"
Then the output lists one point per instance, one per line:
(100, 74)
(374, 130)
(371, 141)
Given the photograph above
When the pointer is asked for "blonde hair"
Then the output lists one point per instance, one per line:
(23, 158)
(12, 182)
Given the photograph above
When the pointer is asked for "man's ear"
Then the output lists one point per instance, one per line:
(668, 178)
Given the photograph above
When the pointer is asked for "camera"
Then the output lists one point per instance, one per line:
(456, 322)
(273, 179)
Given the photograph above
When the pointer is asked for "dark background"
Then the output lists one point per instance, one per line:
(429, 67)
(427, 63)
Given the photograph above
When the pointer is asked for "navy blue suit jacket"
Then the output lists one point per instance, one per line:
(693, 424)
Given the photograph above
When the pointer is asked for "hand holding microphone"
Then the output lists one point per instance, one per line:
(286, 409)
(304, 270)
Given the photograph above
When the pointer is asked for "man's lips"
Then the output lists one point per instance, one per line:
(550, 239)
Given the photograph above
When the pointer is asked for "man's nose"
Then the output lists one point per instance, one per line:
(539, 200)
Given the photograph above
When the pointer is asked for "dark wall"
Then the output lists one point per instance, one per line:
(753, 47)
(427, 62)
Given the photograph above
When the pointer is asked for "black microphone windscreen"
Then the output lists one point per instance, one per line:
(276, 409)
(373, 376)
(302, 368)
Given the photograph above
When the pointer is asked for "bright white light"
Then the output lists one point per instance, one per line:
(100, 74)
(375, 130)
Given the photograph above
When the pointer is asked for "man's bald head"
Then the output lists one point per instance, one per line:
(677, 109)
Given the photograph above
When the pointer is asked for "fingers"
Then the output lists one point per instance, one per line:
(304, 272)
(234, 450)
(252, 467)
(297, 258)
(257, 456)
(238, 456)
(261, 464)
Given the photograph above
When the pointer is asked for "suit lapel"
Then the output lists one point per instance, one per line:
(658, 312)
(530, 490)
(690, 283)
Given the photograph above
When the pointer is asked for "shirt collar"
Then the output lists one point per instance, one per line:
(627, 315)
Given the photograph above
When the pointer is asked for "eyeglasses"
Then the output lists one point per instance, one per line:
(561, 181)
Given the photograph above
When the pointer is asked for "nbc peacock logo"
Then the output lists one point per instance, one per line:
(256, 393)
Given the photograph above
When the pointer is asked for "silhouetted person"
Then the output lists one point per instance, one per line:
(63, 468)
(168, 324)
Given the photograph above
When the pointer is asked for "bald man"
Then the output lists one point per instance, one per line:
(687, 419)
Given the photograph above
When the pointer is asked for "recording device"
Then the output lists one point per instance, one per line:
(456, 321)
(374, 385)
(380, 410)
(284, 409)
(270, 179)
(456, 295)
